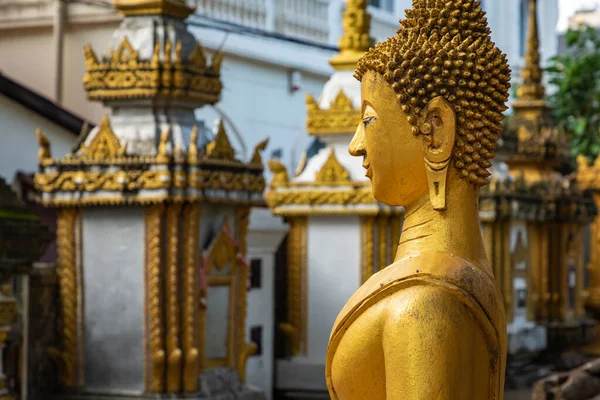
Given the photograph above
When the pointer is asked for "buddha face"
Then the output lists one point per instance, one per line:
(392, 154)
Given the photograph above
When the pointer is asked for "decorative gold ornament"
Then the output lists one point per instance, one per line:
(44, 151)
(242, 220)
(280, 174)
(175, 8)
(68, 355)
(173, 348)
(260, 147)
(339, 118)
(76, 181)
(155, 357)
(162, 156)
(192, 347)
(220, 148)
(295, 327)
(332, 173)
(122, 75)
(532, 88)
(313, 197)
(366, 232)
(355, 40)
(193, 149)
(105, 145)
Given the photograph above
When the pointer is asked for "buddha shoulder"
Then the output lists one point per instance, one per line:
(414, 317)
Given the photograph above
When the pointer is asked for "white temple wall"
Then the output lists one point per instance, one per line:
(113, 288)
(20, 146)
(265, 234)
(333, 275)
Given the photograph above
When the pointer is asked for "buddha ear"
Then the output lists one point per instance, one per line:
(438, 129)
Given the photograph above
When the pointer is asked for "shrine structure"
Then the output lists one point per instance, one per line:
(152, 223)
(339, 234)
(533, 220)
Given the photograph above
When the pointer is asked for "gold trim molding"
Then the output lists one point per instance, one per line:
(122, 75)
(68, 356)
(155, 346)
(340, 118)
(295, 327)
(192, 347)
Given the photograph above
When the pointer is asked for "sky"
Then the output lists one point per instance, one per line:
(568, 8)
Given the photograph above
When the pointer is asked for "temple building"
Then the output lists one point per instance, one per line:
(152, 223)
(533, 221)
(339, 234)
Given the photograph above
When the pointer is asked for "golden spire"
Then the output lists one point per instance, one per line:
(355, 40)
(532, 88)
(174, 8)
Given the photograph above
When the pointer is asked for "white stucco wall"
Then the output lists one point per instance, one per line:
(333, 276)
(265, 235)
(257, 99)
(19, 143)
(113, 298)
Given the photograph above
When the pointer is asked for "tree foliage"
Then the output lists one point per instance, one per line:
(576, 100)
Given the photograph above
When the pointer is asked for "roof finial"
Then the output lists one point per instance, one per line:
(532, 88)
(355, 40)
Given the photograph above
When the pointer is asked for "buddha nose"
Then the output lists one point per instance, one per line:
(357, 145)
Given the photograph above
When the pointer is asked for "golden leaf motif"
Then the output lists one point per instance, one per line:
(341, 102)
(220, 148)
(105, 145)
(332, 172)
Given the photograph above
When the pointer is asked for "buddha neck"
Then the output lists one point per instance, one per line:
(456, 230)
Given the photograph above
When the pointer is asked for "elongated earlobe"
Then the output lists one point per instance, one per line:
(439, 130)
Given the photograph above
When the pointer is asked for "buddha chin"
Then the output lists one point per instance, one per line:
(432, 324)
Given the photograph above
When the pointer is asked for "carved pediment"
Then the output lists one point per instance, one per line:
(332, 172)
(105, 145)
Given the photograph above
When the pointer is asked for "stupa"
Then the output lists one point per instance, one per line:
(339, 234)
(533, 219)
(152, 223)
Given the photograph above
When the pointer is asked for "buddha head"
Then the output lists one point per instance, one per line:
(433, 98)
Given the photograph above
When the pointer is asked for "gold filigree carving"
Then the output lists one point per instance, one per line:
(367, 238)
(44, 152)
(356, 39)
(320, 197)
(295, 328)
(69, 299)
(332, 172)
(260, 147)
(280, 174)
(221, 266)
(162, 156)
(122, 75)
(105, 145)
(155, 357)
(220, 147)
(340, 118)
(174, 352)
(193, 148)
(242, 219)
(74, 181)
(192, 348)
(175, 8)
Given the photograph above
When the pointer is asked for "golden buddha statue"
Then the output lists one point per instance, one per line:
(432, 324)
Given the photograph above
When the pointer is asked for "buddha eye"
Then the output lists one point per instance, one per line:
(368, 120)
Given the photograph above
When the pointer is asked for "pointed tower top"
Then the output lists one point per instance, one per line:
(532, 88)
(175, 8)
(355, 40)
